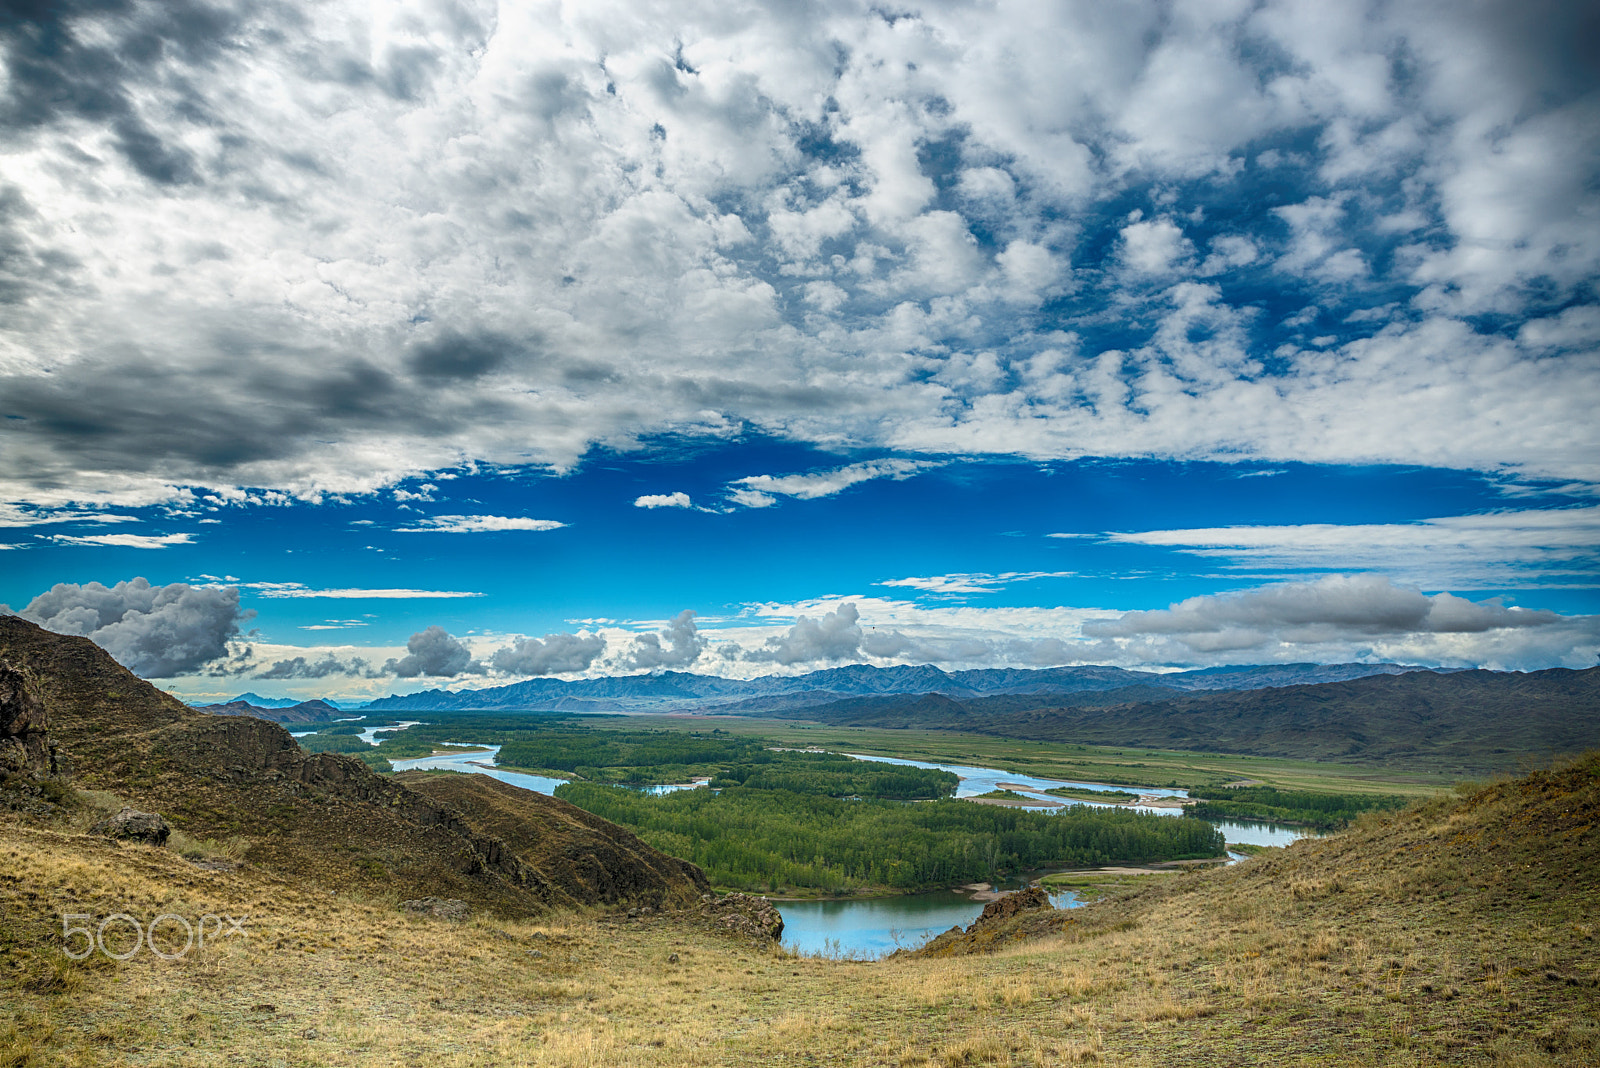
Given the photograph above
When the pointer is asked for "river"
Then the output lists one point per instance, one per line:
(866, 928)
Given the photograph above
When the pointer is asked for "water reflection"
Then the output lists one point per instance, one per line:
(867, 928)
(977, 781)
(480, 761)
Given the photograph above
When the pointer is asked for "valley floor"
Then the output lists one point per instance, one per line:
(1461, 932)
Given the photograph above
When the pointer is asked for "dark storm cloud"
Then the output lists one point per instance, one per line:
(204, 426)
(300, 668)
(463, 356)
(557, 654)
(154, 631)
(54, 74)
(682, 645)
(836, 636)
(24, 267)
(435, 653)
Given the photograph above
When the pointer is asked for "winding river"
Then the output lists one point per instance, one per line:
(867, 928)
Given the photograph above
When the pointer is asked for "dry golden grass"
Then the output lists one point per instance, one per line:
(1433, 938)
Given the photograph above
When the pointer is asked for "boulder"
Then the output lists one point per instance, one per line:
(1010, 918)
(134, 826)
(445, 908)
(743, 914)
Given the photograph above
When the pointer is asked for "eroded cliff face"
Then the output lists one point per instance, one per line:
(318, 816)
(24, 724)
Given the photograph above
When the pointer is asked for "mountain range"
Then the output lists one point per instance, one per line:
(679, 691)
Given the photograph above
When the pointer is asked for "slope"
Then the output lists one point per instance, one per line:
(319, 817)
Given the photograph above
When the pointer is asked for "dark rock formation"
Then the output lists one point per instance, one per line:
(444, 908)
(743, 914)
(24, 725)
(1015, 916)
(131, 825)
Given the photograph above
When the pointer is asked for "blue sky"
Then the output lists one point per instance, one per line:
(974, 335)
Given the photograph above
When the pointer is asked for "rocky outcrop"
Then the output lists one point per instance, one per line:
(443, 908)
(131, 825)
(1009, 918)
(24, 725)
(745, 915)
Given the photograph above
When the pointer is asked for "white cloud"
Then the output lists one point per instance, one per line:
(1505, 550)
(977, 582)
(758, 491)
(477, 524)
(12, 515)
(1156, 247)
(296, 589)
(125, 541)
(678, 499)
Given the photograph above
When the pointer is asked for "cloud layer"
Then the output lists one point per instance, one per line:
(321, 249)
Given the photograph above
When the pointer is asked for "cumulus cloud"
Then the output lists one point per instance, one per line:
(435, 653)
(663, 500)
(154, 631)
(556, 654)
(835, 636)
(477, 524)
(677, 645)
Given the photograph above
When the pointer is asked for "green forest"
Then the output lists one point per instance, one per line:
(556, 744)
(764, 840)
(1321, 811)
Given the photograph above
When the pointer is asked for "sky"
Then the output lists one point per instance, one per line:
(352, 349)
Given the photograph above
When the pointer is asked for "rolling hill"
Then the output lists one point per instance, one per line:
(319, 818)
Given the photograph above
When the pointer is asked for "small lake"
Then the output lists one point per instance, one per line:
(868, 928)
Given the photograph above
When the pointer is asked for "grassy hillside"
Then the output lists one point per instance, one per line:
(1458, 932)
(322, 818)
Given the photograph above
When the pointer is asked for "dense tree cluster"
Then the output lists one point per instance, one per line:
(766, 840)
(1322, 811)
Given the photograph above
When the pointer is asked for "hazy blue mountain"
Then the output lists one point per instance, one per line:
(258, 701)
(681, 691)
(299, 712)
